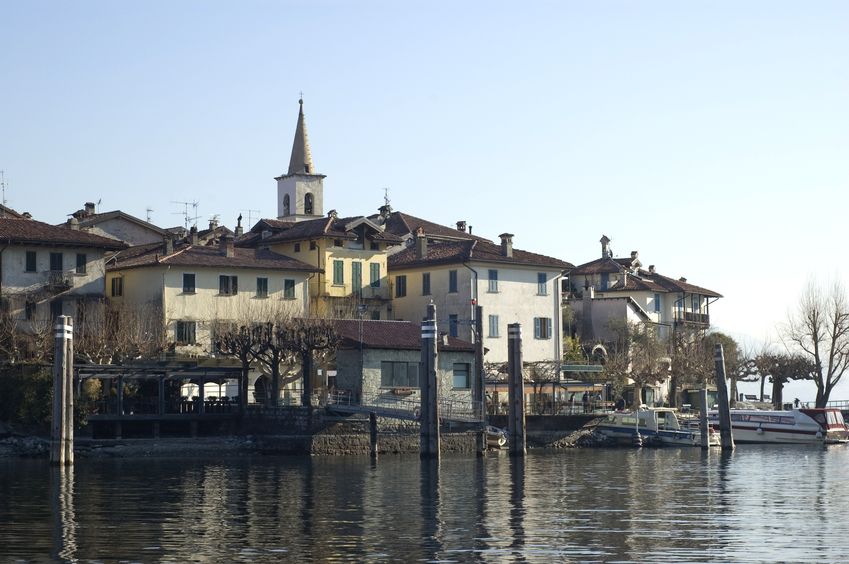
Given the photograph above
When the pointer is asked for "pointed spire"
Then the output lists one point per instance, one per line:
(301, 160)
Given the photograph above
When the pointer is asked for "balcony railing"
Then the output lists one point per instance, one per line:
(692, 317)
(59, 280)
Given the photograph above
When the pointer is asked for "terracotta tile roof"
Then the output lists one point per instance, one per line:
(200, 256)
(479, 250)
(6, 211)
(323, 227)
(635, 284)
(401, 224)
(94, 219)
(31, 232)
(401, 335)
(680, 285)
(603, 265)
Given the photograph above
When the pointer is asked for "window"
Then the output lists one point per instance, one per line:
(30, 266)
(286, 204)
(117, 287)
(399, 374)
(400, 286)
(425, 283)
(605, 280)
(313, 245)
(375, 315)
(56, 261)
(461, 375)
(30, 310)
(493, 326)
(374, 246)
(337, 242)
(188, 283)
(695, 303)
(338, 272)
(186, 333)
(288, 289)
(542, 284)
(297, 247)
(81, 262)
(228, 285)
(452, 325)
(357, 278)
(452, 281)
(657, 305)
(262, 287)
(493, 280)
(308, 204)
(374, 274)
(542, 327)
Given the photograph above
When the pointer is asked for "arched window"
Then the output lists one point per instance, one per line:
(308, 204)
(286, 204)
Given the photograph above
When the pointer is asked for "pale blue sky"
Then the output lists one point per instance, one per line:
(712, 137)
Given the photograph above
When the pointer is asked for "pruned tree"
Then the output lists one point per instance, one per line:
(240, 342)
(306, 337)
(819, 329)
(782, 367)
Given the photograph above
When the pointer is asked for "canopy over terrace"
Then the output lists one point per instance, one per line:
(156, 388)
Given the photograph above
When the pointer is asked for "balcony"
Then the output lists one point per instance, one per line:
(692, 317)
(58, 280)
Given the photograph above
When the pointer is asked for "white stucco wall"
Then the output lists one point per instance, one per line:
(124, 230)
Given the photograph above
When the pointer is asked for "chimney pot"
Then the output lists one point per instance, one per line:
(634, 254)
(651, 269)
(421, 244)
(89, 208)
(605, 247)
(506, 245)
(193, 235)
(74, 224)
(169, 245)
(461, 226)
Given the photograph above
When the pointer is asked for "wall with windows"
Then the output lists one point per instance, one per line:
(371, 379)
(412, 305)
(124, 230)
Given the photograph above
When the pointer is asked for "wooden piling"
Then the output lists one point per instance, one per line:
(429, 409)
(726, 437)
(372, 424)
(516, 392)
(704, 426)
(479, 382)
(62, 428)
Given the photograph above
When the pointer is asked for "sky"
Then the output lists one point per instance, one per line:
(711, 137)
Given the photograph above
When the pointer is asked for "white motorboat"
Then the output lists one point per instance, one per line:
(495, 437)
(656, 426)
(796, 426)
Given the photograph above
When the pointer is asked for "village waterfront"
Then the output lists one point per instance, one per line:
(755, 504)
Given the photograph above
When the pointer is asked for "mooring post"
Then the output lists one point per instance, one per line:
(479, 382)
(372, 424)
(63, 391)
(515, 391)
(429, 409)
(704, 426)
(726, 438)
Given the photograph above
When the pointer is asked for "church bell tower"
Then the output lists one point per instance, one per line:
(300, 192)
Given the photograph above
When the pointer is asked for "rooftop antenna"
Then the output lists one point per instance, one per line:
(149, 211)
(3, 189)
(185, 212)
(386, 196)
(250, 215)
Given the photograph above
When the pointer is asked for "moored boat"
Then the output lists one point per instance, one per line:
(796, 426)
(495, 437)
(650, 426)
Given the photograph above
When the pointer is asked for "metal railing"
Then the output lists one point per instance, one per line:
(403, 407)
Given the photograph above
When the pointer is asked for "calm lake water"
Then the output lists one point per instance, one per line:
(759, 504)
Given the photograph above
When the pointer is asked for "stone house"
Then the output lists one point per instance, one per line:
(47, 270)
(118, 225)
(382, 358)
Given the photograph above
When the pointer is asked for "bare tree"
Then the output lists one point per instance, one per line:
(819, 328)
(240, 342)
(305, 337)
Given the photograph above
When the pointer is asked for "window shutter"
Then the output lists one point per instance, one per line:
(537, 326)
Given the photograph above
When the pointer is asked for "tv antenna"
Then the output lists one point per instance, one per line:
(386, 196)
(3, 189)
(185, 213)
(251, 216)
(148, 211)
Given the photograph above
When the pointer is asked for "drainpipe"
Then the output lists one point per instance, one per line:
(558, 326)
(474, 292)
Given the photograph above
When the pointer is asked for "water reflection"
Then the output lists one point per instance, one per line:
(756, 504)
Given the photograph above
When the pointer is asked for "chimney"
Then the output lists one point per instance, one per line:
(634, 254)
(239, 229)
(73, 224)
(226, 245)
(27, 215)
(470, 230)
(213, 223)
(421, 244)
(461, 226)
(193, 235)
(624, 279)
(89, 208)
(651, 269)
(507, 245)
(169, 245)
(333, 214)
(682, 279)
(385, 211)
(605, 247)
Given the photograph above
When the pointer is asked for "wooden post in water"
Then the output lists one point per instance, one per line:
(515, 391)
(429, 409)
(372, 426)
(726, 437)
(62, 430)
(704, 428)
(479, 382)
